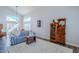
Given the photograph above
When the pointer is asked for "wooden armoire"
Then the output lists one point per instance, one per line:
(2, 33)
(57, 31)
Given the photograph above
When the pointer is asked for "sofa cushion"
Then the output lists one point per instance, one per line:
(24, 33)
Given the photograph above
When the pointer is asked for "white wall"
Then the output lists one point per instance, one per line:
(46, 14)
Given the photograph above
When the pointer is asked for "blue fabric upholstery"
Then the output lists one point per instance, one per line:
(3, 47)
(20, 38)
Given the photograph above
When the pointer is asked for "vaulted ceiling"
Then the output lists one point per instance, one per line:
(23, 10)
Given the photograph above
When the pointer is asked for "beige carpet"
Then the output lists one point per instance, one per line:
(40, 46)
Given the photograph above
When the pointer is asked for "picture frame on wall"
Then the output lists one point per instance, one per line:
(38, 23)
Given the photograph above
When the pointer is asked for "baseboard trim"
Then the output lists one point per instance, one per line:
(74, 45)
(43, 38)
(50, 41)
(66, 45)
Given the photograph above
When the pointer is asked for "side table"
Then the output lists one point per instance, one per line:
(30, 39)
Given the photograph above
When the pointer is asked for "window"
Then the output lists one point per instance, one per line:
(12, 22)
(12, 18)
(27, 23)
